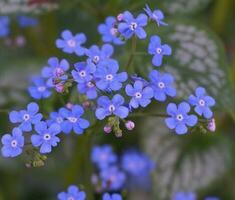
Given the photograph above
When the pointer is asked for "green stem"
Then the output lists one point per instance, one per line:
(132, 54)
(149, 115)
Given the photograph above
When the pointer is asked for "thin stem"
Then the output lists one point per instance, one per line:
(141, 53)
(133, 49)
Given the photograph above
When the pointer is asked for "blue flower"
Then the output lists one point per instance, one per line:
(179, 117)
(184, 196)
(211, 198)
(114, 196)
(109, 32)
(73, 193)
(162, 85)
(107, 107)
(140, 95)
(103, 156)
(46, 137)
(26, 117)
(55, 118)
(112, 178)
(73, 120)
(155, 48)
(25, 21)
(83, 72)
(12, 144)
(71, 44)
(88, 88)
(96, 55)
(40, 90)
(132, 26)
(137, 164)
(156, 15)
(4, 26)
(202, 103)
(55, 72)
(107, 76)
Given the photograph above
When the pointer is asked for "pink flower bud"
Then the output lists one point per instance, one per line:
(120, 17)
(107, 129)
(20, 41)
(130, 125)
(211, 125)
(86, 104)
(59, 88)
(69, 106)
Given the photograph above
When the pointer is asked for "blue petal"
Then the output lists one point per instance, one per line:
(157, 60)
(103, 101)
(181, 129)
(32, 108)
(45, 148)
(121, 112)
(140, 32)
(36, 140)
(14, 117)
(117, 100)
(170, 122)
(184, 107)
(142, 20)
(101, 113)
(172, 109)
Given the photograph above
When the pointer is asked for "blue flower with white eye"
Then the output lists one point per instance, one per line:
(4, 26)
(156, 15)
(202, 103)
(107, 107)
(83, 72)
(55, 72)
(184, 196)
(71, 43)
(96, 55)
(73, 120)
(39, 90)
(132, 26)
(179, 118)
(26, 117)
(140, 95)
(162, 85)
(114, 196)
(109, 31)
(107, 76)
(88, 88)
(25, 21)
(155, 48)
(12, 144)
(112, 178)
(46, 137)
(73, 193)
(103, 156)
(55, 118)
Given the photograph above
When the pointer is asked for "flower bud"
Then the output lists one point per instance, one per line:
(59, 88)
(130, 125)
(120, 17)
(211, 125)
(86, 104)
(69, 106)
(107, 129)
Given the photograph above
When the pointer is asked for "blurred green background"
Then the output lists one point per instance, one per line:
(200, 162)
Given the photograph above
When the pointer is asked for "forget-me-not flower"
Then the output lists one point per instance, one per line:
(73, 193)
(156, 15)
(39, 90)
(88, 88)
(114, 196)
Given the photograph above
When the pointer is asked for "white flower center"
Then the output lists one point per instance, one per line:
(14, 143)
(113, 31)
(47, 136)
(161, 85)
(138, 95)
(96, 59)
(73, 119)
(41, 88)
(112, 108)
(109, 77)
(71, 43)
(82, 73)
(133, 26)
(158, 50)
(90, 84)
(202, 102)
(59, 120)
(179, 117)
(26, 117)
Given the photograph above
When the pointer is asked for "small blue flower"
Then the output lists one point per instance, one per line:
(55, 118)
(162, 85)
(107, 76)
(88, 88)
(103, 156)
(132, 26)
(156, 15)
(112, 178)
(25, 21)
(46, 137)
(114, 196)
(73, 120)
(140, 95)
(211, 198)
(83, 72)
(4, 26)
(96, 55)
(12, 144)
(55, 72)
(73, 193)
(155, 48)
(71, 44)
(179, 117)
(40, 90)
(184, 196)
(202, 103)
(107, 107)
(109, 32)
(26, 117)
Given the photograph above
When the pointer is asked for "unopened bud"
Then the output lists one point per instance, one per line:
(120, 17)
(69, 106)
(107, 129)
(59, 88)
(130, 125)
(211, 125)
(86, 104)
